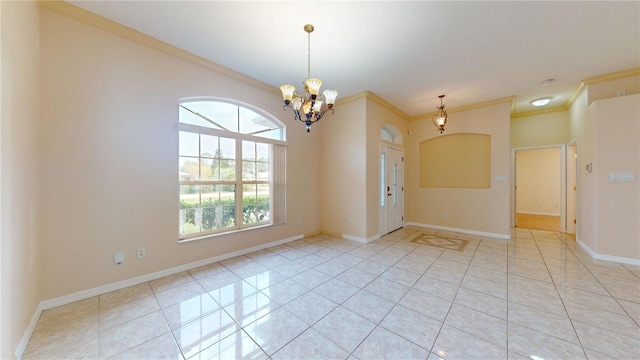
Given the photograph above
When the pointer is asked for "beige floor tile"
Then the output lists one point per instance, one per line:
(234, 292)
(387, 289)
(311, 307)
(427, 304)
(311, 345)
(118, 297)
(179, 294)
(561, 304)
(284, 291)
(606, 342)
(276, 329)
(170, 281)
(235, 346)
(345, 328)
(372, 307)
(163, 347)
(632, 308)
(614, 322)
(486, 303)
(204, 332)
(336, 290)
(546, 323)
(125, 312)
(413, 326)
(477, 323)
(532, 343)
(206, 270)
(218, 280)
(400, 276)
(455, 344)
(121, 338)
(439, 288)
(251, 308)
(189, 310)
(383, 344)
(486, 286)
(265, 279)
(311, 278)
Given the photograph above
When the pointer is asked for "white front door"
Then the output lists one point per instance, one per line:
(394, 187)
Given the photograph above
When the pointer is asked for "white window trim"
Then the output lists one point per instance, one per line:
(277, 181)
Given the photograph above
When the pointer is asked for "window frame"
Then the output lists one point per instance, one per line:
(275, 181)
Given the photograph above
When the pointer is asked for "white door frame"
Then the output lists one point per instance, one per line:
(563, 182)
(572, 195)
(383, 216)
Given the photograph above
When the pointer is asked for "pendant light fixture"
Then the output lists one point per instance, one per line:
(440, 117)
(309, 107)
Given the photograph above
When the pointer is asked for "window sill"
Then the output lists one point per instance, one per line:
(215, 235)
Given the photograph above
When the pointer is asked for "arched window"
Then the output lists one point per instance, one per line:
(231, 167)
(391, 134)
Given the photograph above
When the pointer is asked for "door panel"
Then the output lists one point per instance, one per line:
(395, 189)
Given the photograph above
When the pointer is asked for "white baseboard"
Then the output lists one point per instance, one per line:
(618, 259)
(85, 294)
(537, 213)
(361, 240)
(464, 231)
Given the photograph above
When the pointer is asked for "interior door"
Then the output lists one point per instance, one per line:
(395, 189)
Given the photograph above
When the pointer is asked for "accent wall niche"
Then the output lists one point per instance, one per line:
(456, 161)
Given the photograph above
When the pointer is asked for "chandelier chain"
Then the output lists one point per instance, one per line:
(308, 55)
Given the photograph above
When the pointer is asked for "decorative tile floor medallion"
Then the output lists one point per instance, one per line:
(439, 241)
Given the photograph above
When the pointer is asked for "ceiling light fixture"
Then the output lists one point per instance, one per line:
(309, 108)
(541, 102)
(440, 117)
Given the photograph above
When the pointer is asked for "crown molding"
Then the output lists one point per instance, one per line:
(508, 99)
(86, 17)
(539, 112)
(91, 19)
(370, 95)
(612, 76)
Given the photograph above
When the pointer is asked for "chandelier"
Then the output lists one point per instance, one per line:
(310, 107)
(440, 117)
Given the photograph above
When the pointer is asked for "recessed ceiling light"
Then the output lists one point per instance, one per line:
(541, 102)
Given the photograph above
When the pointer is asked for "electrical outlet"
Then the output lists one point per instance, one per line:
(141, 252)
(118, 257)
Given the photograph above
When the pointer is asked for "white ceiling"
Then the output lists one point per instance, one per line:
(406, 52)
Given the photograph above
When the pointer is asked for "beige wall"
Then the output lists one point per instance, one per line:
(20, 171)
(343, 169)
(610, 89)
(109, 146)
(540, 130)
(538, 181)
(606, 131)
(482, 210)
(617, 147)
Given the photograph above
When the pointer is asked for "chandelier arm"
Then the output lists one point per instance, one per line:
(296, 113)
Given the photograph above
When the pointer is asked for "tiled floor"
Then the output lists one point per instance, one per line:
(537, 296)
